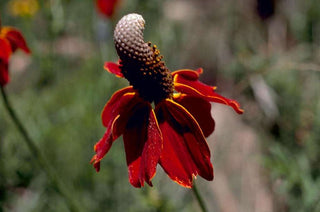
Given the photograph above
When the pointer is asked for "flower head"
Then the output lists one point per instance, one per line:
(10, 40)
(172, 133)
(107, 7)
(23, 8)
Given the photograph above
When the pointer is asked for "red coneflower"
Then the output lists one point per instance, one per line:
(173, 132)
(10, 40)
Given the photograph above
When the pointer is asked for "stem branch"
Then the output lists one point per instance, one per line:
(199, 198)
(38, 157)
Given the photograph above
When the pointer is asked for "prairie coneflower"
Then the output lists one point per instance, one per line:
(172, 133)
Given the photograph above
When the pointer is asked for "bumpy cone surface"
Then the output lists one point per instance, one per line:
(140, 62)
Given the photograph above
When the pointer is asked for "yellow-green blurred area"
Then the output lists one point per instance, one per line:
(263, 53)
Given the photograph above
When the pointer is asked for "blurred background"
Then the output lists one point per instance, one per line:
(263, 53)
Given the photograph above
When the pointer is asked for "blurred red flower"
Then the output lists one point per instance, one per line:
(10, 40)
(107, 7)
(164, 117)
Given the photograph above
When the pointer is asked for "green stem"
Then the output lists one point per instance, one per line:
(60, 187)
(199, 198)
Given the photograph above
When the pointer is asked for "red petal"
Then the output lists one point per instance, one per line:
(4, 59)
(116, 127)
(15, 38)
(186, 81)
(143, 144)
(190, 78)
(110, 117)
(113, 68)
(188, 74)
(5, 50)
(4, 75)
(117, 102)
(102, 148)
(175, 158)
(185, 151)
(209, 96)
(200, 109)
(194, 138)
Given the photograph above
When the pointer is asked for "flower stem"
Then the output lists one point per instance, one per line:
(199, 198)
(60, 187)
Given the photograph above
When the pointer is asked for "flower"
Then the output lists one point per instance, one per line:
(10, 40)
(107, 7)
(172, 133)
(23, 8)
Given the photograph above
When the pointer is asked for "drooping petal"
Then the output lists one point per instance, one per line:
(114, 105)
(186, 81)
(175, 158)
(200, 109)
(113, 68)
(15, 38)
(112, 119)
(185, 151)
(143, 143)
(101, 148)
(194, 138)
(209, 96)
